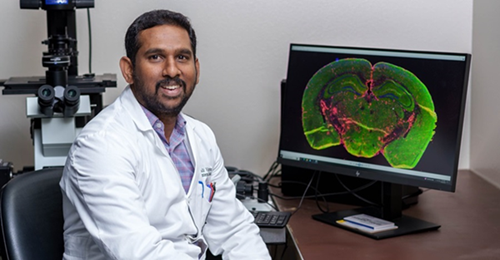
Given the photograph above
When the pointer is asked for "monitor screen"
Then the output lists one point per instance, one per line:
(389, 115)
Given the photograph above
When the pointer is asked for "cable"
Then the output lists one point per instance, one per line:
(319, 194)
(90, 40)
(242, 173)
(271, 170)
(316, 192)
(276, 174)
(304, 195)
(354, 193)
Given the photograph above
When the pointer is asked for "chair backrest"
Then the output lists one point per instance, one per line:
(31, 216)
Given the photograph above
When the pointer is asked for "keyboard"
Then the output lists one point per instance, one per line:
(271, 219)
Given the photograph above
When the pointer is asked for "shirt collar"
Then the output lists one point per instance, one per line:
(180, 123)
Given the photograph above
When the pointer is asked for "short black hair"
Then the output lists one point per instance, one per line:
(151, 19)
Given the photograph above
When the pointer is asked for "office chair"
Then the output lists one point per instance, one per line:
(31, 216)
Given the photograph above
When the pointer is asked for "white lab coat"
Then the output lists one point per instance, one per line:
(123, 197)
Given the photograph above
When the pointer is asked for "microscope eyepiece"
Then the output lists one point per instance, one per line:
(46, 96)
(72, 95)
(71, 100)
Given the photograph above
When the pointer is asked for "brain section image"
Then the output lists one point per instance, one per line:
(369, 110)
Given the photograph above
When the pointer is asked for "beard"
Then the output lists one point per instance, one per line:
(152, 101)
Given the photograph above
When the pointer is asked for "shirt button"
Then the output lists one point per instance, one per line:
(158, 125)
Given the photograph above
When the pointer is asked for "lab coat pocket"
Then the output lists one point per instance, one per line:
(205, 193)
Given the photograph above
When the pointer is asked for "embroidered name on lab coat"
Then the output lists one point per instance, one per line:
(206, 171)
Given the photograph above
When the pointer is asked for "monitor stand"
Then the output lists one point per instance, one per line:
(391, 210)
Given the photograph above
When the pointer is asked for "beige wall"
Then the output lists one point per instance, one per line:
(485, 108)
(243, 50)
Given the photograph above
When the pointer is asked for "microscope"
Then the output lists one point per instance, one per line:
(64, 101)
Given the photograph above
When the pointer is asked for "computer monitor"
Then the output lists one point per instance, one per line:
(393, 116)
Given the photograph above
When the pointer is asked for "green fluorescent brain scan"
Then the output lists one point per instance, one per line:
(369, 110)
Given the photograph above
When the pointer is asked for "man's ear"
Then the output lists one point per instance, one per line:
(127, 70)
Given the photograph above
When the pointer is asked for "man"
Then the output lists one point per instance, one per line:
(145, 181)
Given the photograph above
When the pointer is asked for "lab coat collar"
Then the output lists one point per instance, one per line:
(133, 107)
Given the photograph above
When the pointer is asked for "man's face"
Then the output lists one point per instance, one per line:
(165, 72)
